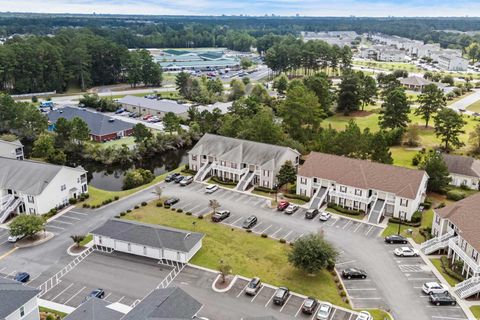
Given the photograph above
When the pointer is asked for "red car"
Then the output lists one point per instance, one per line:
(282, 205)
(148, 116)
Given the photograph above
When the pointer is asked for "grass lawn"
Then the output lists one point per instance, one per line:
(476, 311)
(402, 157)
(88, 238)
(247, 254)
(451, 281)
(359, 217)
(474, 107)
(51, 311)
(388, 65)
(427, 219)
(224, 185)
(272, 196)
(97, 196)
(129, 141)
(379, 314)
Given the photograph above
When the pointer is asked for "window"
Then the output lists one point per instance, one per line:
(194, 157)
(22, 311)
(234, 166)
(100, 239)
(475, 255)
(63, 187)
(266, 173)
(303, 180)
(315, 180)
(31, 199)
(358, 192)
(343, 189)
(31, 210)
(404, 202)
(129, 247)
(355, 204)
(437, 219)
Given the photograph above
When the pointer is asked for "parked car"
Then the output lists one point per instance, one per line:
(396, 239)
(148, 116)
(186, 181)
(220, 215)
(282, 205)
(309, 305)
(445, 298)
(211, 188)
(171, 201)
(405, 252)
(281, 295)
(249, 222)
(97, 293)
(178, 179)
(291, 208)
(171, 177)
(118, 111)
(434, 288)
(311, 213)
(364, 315)
(13, 239)
(352, 273)
(324, 311)
(22, 277)
(253, 286)
(153, 119)
(325, 216)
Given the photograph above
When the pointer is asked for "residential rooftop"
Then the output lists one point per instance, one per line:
(13, 295)
(94, 309)
(462, 165)
(149, 234)
(363, 174)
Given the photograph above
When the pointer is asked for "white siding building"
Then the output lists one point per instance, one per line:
(31, 187)
(147, 240)
(11, 149)
(463, 170)
(153, 107)
(456, 230)
(18, 301)
(373, 188)
(242, 161)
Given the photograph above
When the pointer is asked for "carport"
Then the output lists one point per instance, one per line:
(147, 240)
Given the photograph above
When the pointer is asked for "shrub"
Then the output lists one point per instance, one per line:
(441, 205)
(159, 204)
(143, 204)
(224, 182)
(179, 210)
(445, 264)
(136, 207)
(455, 195)
(331, 265)
(344, 210)
(200, 217)
(426, 232)
(188, 213)
(86, 195)
(172, 208)
(122, 214)
(137, 177)
(417, 217)
(167, 206)
(340, 286)
(249, 230)
(129, 210)
(282, 240)
(406, 223)
(117, 216)
(336, 280)
(297, 196)
(264, 189)
(343, 294)
(464, 187)
(346, 300)
(116, 197)
(72, 201)
(264, 235)
(86, 205)
(426, 205)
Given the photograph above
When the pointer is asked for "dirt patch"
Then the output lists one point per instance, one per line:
(77, 249)
(361, 113)
(223, 285)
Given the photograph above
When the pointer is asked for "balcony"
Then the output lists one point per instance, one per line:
(472, 264)
(334, 193)
(219, 167)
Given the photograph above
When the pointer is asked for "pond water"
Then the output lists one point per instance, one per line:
(112, 178)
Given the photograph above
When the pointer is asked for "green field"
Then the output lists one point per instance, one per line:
(391, 66)
(474, 107)
(129, 141)
(476, 311)
(248, 254)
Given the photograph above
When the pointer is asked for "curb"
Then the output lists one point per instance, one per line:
(61, 213)
(88, 245)
(49, 236)
(225, 289)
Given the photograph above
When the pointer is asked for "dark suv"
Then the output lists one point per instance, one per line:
(311, 213)
(445, 298)
(171, 201)
(281, 295)
(171, 177)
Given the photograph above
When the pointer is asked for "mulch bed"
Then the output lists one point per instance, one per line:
(222, 285)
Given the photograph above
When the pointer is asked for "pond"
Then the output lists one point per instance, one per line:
(111, 179)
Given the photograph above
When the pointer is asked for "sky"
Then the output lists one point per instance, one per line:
(370, 8)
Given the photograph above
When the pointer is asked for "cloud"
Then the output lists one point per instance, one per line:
(251, 7)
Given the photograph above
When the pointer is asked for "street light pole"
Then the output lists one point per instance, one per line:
(400, 223)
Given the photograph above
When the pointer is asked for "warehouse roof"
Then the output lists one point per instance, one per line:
(159, 105)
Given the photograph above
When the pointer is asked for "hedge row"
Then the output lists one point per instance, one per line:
(344, 210)
(406, 223)
(297, 196)
(446, 268)
(219, 181)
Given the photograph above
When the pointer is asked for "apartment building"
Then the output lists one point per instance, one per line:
(18, 301)
(376, 189)
(455, 229)
(463, 170)
(31, 187)
(11, 149)
(242, 161)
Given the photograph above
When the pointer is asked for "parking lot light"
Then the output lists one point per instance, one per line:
(401, 215)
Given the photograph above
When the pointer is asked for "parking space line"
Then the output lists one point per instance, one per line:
(120, 299)
(285, 237)
(298, 311)
(63, 291)
(345, 262)
(266, 228)
(358, 227)
(233, 223)
(258, 225)
(439, 317)
(366, 233)
(52, 226)
(351, 315)
(333, 314)
(268, 302)
(60, 221)
(75, 295)
(361, 289)
(257, 293)
(334, 222)
(273, 234)
(11, 274)
(359, 298)
(108, 295)
(79, 213)
(32, 279)
(347, 224)
(286, 302)
(68, 217)
(238, 295)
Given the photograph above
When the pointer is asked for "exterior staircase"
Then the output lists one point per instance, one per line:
(437, 243)
(8, 205)
(468, 287)
(319, 197)
(245, 181)
(203, 172)
(377, 211)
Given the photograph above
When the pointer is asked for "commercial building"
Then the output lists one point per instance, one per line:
(242, 161)
(455, 229)
(33, 187)
(195, 59)
(153, 107)
(414, 83)
(464, 171)
(11, 149)
(102, 127)
(374, 188)
(147, 240)
(18, 301)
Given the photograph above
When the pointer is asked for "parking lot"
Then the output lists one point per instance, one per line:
(5, 246)
(67, 220)
(230, 199)
(125, 278)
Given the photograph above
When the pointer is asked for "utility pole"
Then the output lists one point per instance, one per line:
(400, 223)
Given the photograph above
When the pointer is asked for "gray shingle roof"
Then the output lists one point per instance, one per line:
(29, 177)
(415, 81)
(16, 143)
(159, 105)
(242, 151)
(98, 123)
(94, 309)
(466, 166)
(13, 295)
(155, 236)
(169, 303)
